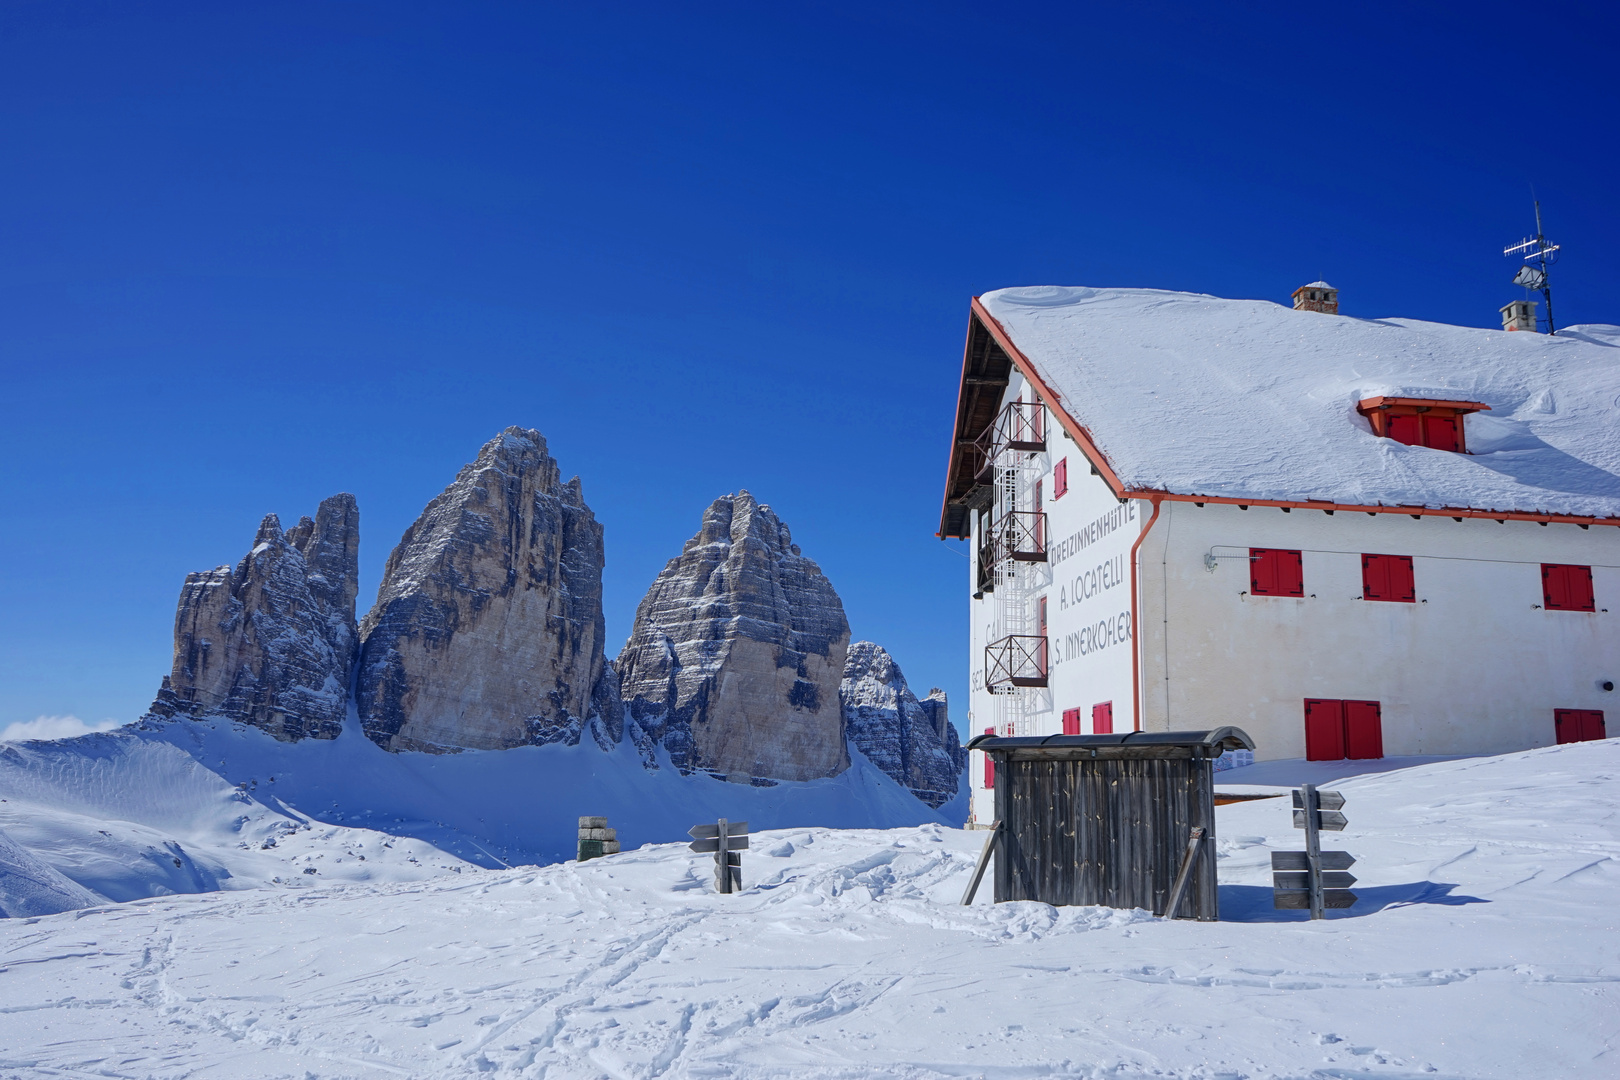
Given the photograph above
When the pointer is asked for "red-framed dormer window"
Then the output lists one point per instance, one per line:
(1420, 421)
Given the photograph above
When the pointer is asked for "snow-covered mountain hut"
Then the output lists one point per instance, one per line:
(1349, 537)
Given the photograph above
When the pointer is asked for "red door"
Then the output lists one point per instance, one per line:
(1102, 718)
(1578, 725)
(1324, 730)
(1363, 730)
(1335, 730)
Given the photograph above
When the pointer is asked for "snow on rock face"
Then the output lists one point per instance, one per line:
(487, 631)
(271, 643)
(913, 743)
(737, 653)
(1198, 395)
(29, 887)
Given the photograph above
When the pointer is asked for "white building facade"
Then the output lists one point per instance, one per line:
(1438, 573)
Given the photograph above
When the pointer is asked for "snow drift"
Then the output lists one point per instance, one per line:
(193, 806)
(1483, 947)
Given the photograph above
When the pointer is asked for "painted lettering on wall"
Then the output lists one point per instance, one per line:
(1099, 635)
(1111, 522)
(1092, 582)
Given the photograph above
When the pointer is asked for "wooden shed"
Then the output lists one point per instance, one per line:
(1108, 819)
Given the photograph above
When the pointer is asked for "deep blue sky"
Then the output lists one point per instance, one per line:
(251, 255)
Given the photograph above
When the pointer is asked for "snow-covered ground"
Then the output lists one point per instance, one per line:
(190, 806)
(1485, 945)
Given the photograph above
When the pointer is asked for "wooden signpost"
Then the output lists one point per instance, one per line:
(1314, 878)
(726, 839)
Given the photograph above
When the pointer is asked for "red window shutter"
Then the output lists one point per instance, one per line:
(1441, 432)
(1566, 587)
(1578, 725)
(989, 764)
(1388, 577)
(1060, 479)
(1071, 721)
(1363, 730)
(1040, 609)
(1406, 429)
(1276, 572)
(1102, 718)
(1324, 730)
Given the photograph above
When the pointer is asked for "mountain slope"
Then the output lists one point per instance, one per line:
(193, 806)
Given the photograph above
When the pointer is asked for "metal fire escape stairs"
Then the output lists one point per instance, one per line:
(1013, 563)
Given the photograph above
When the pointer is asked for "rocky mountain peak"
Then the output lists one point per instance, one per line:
(271, 642)
(910, 740)
(487, 630)
(737, 650)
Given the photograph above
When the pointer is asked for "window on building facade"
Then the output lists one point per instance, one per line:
(1102, 718)
(1578, 725)
(989, 764)
(1338, 729)
(1388, 577)
(1420, 422)
(1276, 572)
(1071, 722)
(1060, 479)
(1567, 588)
(1435, 432)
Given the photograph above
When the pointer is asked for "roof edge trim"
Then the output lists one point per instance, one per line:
(1053, 400)
(1410, 511)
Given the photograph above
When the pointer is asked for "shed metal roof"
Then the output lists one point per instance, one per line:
(1223, 738)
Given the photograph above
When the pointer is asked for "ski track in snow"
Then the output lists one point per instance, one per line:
(1484, 946)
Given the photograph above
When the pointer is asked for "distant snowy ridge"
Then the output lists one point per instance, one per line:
(197, 806)
(28, 886)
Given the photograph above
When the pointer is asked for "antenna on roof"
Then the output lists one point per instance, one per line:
(1538, 255)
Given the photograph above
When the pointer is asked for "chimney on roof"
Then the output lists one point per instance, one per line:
(1317, 296)
(1519, 315)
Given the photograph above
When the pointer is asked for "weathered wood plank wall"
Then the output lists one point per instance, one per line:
(1108, 830)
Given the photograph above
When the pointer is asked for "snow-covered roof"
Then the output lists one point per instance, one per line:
(1195, 395)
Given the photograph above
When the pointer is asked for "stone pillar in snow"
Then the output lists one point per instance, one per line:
(737, 652)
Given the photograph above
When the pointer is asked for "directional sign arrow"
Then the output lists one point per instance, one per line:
(1328, 820)
(1300, 899)
(733, 828)
(1301, 879)
(1325, 800)
(712, 843)
(1296, 860)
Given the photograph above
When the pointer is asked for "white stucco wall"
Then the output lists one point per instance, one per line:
(1087, 589)
(1475, 667)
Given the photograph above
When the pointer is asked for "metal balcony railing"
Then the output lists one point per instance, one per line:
(1015, 660)
(1019, 535)
(1021, 425)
